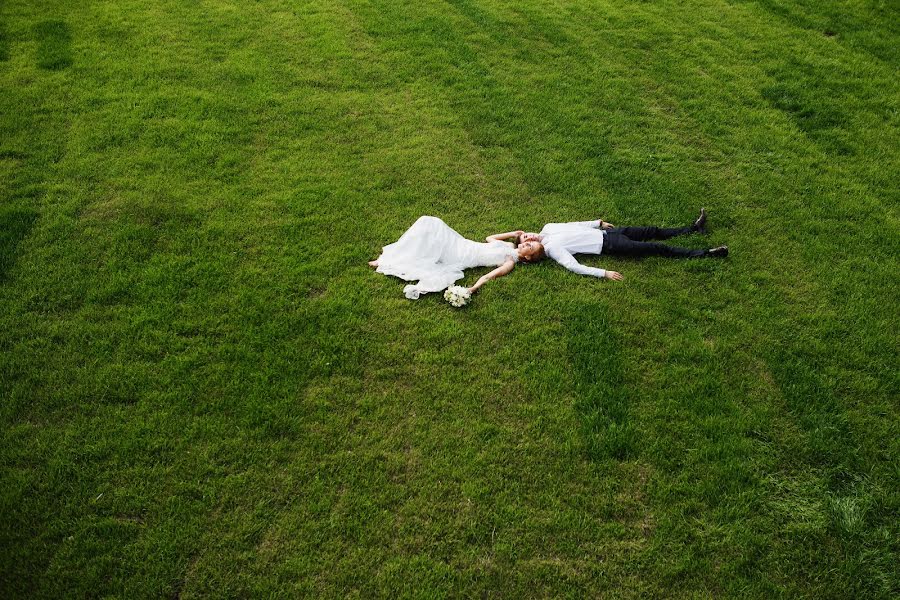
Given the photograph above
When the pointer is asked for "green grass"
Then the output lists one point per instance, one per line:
(206, 391)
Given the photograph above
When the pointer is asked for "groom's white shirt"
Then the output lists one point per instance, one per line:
(562, 240)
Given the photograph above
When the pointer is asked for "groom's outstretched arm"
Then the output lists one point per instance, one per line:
(565, 258)
(591, 224)
(598, 224)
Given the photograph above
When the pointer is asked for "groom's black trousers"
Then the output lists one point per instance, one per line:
(632, 241)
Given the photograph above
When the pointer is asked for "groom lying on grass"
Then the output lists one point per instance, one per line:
(563, 240)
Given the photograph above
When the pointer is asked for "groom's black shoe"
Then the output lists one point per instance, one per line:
(720, 252)
(700, 224)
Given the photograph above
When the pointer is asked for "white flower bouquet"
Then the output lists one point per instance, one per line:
(457, 295)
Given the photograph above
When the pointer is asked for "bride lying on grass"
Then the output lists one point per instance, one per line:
(435, 255)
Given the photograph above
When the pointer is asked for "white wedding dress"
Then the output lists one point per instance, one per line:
(433, 254)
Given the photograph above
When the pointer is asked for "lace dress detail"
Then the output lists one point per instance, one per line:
(434, 255)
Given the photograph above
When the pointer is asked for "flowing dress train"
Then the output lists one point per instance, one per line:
(433, 254)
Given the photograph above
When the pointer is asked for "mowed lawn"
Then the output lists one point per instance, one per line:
(204, 390)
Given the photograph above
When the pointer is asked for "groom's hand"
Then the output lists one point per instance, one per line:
(606, 225)
(614, 275)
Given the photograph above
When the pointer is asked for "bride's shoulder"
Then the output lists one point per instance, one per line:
(504, 244)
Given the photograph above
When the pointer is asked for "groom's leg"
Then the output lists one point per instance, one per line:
(642, 234)
(618, 244)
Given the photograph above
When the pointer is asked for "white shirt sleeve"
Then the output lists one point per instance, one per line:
(549, 227)
(565, 258)
(592, 224)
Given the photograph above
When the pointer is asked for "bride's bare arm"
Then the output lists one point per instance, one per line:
(504, 236)
(500, 271)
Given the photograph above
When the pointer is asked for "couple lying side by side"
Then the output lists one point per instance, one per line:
(434, 255)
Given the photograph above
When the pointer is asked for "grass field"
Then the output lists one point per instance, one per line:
(206, 392)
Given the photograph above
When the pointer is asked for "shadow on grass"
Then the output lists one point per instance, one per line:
(4, 44)
(54, 49)
(815, 101)
(601, 399)
(15, 225)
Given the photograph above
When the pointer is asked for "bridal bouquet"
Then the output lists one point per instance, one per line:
(457, 295)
